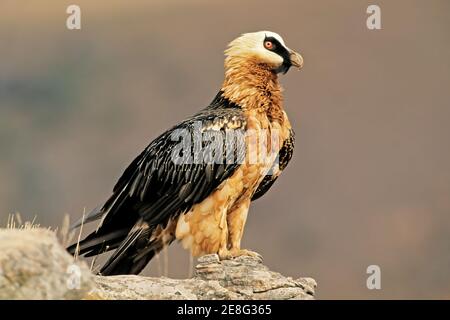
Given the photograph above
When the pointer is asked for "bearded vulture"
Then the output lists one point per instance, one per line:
(198, 190)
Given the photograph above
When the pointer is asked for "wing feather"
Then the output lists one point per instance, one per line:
(154, 188)
(284, 156)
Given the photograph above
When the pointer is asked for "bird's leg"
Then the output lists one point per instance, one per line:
(236, 221)
(223, 244)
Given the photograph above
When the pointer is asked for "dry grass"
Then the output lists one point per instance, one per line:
(77, 249)
(63, 233)
(65, 236)
(191, 267)
(15, 222)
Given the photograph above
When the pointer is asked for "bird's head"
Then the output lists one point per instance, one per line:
(265, 48)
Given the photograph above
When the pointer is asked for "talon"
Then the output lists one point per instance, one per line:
(244, 252)
(225, 254)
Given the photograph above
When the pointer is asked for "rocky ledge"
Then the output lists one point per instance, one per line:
(33, 265)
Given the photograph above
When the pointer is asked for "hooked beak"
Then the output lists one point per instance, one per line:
(296, 59)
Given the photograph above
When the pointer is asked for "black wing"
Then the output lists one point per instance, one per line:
(155, 189)
(284, 156)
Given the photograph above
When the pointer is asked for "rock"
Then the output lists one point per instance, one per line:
(240, 278)
(33, 265)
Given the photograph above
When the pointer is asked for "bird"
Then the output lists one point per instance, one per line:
(199, 192)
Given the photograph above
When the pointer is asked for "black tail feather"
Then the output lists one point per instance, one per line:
(127, 264)
(97, 242)
(135, 252)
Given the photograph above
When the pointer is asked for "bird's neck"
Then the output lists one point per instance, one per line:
(253, 86)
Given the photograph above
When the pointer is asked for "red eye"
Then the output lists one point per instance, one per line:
(268, 45)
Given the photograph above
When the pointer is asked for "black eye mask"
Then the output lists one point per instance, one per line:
(279, 49)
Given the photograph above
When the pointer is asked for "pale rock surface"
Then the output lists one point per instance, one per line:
(33, 265)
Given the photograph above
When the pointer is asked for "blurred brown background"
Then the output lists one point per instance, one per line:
(370, 179)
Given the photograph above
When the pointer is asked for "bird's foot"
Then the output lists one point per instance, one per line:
(235, 252)
(244, 252)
